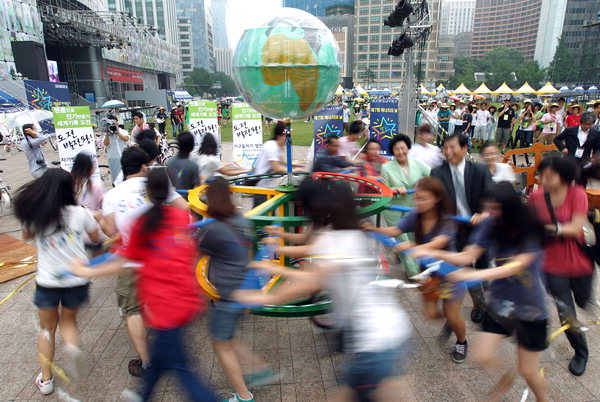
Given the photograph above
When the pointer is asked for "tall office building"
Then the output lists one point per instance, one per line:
(322, 8)
(581, 32)
(210, 39)
(224, 61)
(220, 13)
(457, 16)
(200, 42)
(509, 23)
(374, 67)
(186, 50)
(552, 17)
(157, 13)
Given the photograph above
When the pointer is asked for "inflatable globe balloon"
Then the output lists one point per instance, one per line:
(289, 67)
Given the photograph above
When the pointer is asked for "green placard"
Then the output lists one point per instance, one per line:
(71, 116)
(203, 109)
(243, 111)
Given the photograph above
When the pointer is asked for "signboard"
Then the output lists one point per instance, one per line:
(383, 114)
(247, 135)
(203, 119)
(46, 95)
(74, 134)
(327, 122)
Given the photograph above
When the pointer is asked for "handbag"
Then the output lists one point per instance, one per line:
(589, 233)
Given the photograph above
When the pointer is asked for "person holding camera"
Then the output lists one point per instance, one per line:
(527, 125)
(115, 142)
(32, 146)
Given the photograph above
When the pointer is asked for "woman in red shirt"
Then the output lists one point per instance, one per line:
(166, 285)
(573, 118)
(562, 206)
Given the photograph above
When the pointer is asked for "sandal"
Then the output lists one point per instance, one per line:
(135, 367)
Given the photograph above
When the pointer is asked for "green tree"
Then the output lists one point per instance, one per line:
(228, 87)
(561, 68)
(530, 72)
(201, 80)
(464, 70)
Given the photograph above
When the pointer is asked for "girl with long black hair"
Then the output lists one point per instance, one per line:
(516, 299)
(88, 192)
(167, 289)
(49, 214)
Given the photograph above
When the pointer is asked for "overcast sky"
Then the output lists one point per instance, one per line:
(246, 14)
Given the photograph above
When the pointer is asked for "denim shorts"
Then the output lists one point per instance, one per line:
(67, 297)
(223, 320)
(366, 370)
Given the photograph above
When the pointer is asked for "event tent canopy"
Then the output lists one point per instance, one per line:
(503, 89)
(339, 90)
(547, 89)
(525, 89)
(482, 89)
(462, 89)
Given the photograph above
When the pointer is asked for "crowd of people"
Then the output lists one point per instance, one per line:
(517, 255)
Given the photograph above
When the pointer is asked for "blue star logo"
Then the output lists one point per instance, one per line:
(246, 161)
(323, 133)
(383, 129)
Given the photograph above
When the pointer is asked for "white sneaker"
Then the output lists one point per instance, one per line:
(45, 387)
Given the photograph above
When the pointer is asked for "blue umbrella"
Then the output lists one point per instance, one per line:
(113, 103)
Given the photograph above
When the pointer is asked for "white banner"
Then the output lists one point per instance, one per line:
(203, 119)
(74, 134)
(247, 135)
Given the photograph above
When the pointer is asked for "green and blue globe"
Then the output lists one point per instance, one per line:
(289, 67)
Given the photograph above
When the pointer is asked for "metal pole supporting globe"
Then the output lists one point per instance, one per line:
(288, 67)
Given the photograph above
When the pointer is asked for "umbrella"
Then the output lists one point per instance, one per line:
(525, 89)
(547, 89)
(112, 103)
(340, 90)
(28, 116)
(482, 89)
(455, 98)
(503, 89)
(462, 89)
(479, 97)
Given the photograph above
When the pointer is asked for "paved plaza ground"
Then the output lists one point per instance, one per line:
(309, 368)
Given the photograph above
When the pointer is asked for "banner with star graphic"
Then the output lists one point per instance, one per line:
(247, 134)
(327, 122)
(383, 114)
(203, 119)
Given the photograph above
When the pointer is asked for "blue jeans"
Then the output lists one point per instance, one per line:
(167, 353)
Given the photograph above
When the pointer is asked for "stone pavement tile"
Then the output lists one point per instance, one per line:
(118, 345)
(301, 333)
(283, 334)
(496, 373)
(288, 393)
(89, 338)
(434, 386)
(101, 318)
(103, 341)
(264, 335)
(330, 389)
(471, 384)
(442, 352)
(310, 391)
(589, 382)
(325, 363)
(306, 365)
(15, 377)
(423, 328)
(319, 336)
(286, 366)
(267, 393)
(421, 358)
(26, 353)
(9, 345)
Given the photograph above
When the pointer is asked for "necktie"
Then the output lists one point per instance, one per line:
(462, 205)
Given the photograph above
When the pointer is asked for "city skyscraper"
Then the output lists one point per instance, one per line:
(186, 50)
(508, 23)
(201, 43)
(375, 68)
(457, 16)
(552, 18)
(322, 8)
(220, 12)
(160, 14)
(224, 61)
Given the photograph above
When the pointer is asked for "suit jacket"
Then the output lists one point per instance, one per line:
(478, 180)
(569, 136)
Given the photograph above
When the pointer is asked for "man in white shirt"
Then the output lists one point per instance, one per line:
(480, 123)
(348, 145)
(423, 149)
(552, 122)
(121, 207)
(456, 120)
(346, 117)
